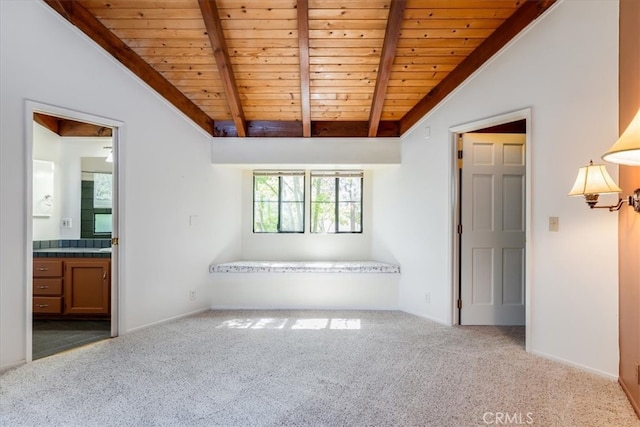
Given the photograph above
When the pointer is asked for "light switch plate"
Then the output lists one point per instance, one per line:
(554, 223)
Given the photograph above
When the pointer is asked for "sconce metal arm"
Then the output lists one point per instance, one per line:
(612, 208)
(633, 201)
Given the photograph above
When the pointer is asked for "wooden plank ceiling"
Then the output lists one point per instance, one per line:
(308, 68)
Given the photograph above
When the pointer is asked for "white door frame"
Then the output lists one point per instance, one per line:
(116, 279)
(454, 131)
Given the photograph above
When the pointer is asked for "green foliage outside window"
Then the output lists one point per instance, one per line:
(278, 202)
(336, 202)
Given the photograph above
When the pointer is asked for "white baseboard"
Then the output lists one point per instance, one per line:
(12, 365)
(424, 316)
(159, 322)
(607, 375)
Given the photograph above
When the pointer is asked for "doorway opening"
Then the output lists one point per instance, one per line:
(491, 188)
(72, 252)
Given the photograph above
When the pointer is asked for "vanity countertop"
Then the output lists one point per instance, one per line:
(72, 252)
(87, 248)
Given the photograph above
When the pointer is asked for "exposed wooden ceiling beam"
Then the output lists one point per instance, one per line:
(51, 123)
(522, 17)
(291, 129)
(66, 127)
(394, 22)
(73, 128)
(519, 126)
(219, 45)
(77, 15)
(305, 79)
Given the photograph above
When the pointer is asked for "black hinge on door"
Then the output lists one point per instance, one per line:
(459, 303)
(459, 228)
(460, 154)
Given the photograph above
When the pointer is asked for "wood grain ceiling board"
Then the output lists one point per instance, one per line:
(345, 45)
(280, 76)
(171, 36)
(262, 37)
(435, 37)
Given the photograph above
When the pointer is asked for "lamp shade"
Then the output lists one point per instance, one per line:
(626, 150)
(593, 179)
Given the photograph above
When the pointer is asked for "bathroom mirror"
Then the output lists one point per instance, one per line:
(96, 197)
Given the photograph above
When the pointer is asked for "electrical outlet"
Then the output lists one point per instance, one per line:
(66, 223)
(427, 297)
(192, 295)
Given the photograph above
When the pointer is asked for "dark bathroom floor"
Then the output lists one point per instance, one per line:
(54, 336)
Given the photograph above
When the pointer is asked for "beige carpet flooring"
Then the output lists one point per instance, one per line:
(308, 368)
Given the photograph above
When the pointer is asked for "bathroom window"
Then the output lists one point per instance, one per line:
(102, 190)
(102, 223)
(278, 201)
(336, 201)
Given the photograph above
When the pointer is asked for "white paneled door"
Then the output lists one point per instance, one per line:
(492, 244)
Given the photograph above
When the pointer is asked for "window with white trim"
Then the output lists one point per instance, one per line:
(278, 201)
(336, 201)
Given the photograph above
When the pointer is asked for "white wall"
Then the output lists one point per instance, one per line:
(306, 151)
(565, 69)
(66, 154)
(46, 146)
(167, 174)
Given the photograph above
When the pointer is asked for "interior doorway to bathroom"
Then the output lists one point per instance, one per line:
(73, 268)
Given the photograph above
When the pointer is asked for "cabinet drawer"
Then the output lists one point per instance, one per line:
(47, 286)
(47, 268)
(52, 305)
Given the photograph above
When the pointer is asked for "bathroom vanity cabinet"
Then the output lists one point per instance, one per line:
(71, 287)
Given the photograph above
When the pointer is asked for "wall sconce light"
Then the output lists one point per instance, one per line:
(626, 150)
(594, 180)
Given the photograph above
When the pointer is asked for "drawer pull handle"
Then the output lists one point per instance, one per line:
(42, 305)
(43, 269)
(42, 287)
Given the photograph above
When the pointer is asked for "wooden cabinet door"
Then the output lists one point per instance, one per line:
(87, 286)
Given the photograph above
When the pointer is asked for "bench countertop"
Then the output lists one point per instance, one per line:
(304, 267)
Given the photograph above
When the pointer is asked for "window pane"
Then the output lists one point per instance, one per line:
(323, 217)
(350, 214)
(293, 188)
(265, 188)
(265, 217)
(323, 189)
(102, 190)
(350, 189)
(292, 217)
(102, 223)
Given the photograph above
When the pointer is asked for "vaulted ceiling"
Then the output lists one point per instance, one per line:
(309, 68)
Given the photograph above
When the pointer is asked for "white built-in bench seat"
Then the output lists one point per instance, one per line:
(310, 285)
(304, 267)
